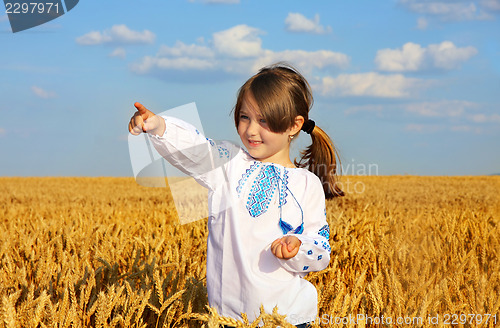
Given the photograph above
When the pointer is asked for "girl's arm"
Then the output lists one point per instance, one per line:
(313, 250)
(183, 146)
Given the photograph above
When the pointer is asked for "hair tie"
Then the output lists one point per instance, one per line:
(308, 126)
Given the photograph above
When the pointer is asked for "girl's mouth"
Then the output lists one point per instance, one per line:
(254, 143)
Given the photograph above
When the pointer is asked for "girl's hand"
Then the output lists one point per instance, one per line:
(286, 247)
(145, 120)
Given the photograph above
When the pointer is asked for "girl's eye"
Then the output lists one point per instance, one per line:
(243, 117)
(263, 121)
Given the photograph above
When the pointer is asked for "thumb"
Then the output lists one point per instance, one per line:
(293, 243)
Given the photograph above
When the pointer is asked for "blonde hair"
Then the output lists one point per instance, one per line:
(282, 94)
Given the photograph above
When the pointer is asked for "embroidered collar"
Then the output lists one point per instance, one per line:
(270, 178)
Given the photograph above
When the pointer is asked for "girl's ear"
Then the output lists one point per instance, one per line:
(299, 121)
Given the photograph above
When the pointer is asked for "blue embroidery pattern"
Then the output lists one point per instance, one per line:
(244, 176)
(283, 187)
(309, 252)
(269, 178)
(211, 142)
(325, 231)
(320, 257)
(263, 188)
(262, 191)
(305, 268)
(326, 246)
(223, 152)
(287, 227)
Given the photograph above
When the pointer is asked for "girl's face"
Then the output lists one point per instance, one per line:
(261, 143)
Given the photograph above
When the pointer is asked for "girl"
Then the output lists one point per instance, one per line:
(267, 216)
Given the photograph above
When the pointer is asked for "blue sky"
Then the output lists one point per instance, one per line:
(407, 86)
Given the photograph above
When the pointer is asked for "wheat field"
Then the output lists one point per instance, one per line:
(106, 252)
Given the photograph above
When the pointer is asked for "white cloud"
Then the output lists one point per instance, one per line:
(479, 118)
(368, 84)
(237, 50)
(4, 18)
(444, 115)
(118, 52)
(493, 5)
(445, 108)
(149, 64)
(189, 50)
(305, 60)
(296, 22)
(483, 118)
(179, 57)
(409, 58)
(453, 109)
(448, 10)
(422, 23)
(413, 57)
(239, 41)
(447, 56)
(42, 93)
(117, 34)
(432, 128)
(423, 128)
(465, 128)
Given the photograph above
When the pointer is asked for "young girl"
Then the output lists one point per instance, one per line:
(267, 216)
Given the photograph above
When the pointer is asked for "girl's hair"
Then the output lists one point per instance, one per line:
(282, 94)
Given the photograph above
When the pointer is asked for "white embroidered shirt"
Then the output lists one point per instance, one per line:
(251, 204)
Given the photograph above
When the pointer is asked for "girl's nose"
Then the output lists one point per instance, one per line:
(253, 128)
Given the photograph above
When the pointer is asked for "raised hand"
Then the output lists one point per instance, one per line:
(145, 120)
(286, 247)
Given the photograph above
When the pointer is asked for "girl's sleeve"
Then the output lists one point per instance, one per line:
(314, 252)
(183, 146)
